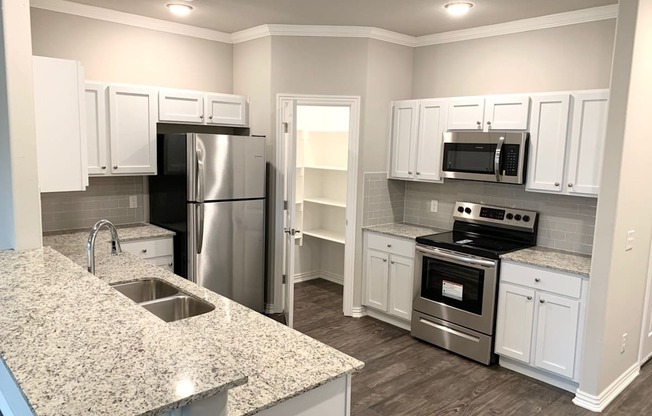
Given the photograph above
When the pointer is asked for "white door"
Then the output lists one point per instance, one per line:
(548, 135)
(506, 112)
(515, 322)
(432, 125)
(465, 114)
(405, 117)
(556, 338)
(181, 106)
(289, 110)
(132, 129)
(227, 109)
(401, 275)
(588, 130)
(96, 138)
(376, 278)
(645, 352)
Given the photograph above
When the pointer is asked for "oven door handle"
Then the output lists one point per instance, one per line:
(499, 148)
(469, 260)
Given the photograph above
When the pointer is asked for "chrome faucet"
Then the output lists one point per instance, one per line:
(90, 247)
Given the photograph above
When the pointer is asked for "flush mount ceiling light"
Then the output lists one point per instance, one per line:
(458, 8)
(180, 9)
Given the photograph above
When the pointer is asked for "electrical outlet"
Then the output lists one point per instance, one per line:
(622, 347)
(630, 240)
(434, 205)
(133, 201)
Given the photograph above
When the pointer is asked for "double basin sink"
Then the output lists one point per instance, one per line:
(164, 300)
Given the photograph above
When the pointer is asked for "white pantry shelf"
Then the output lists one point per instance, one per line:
(326, 235)
(326, 201)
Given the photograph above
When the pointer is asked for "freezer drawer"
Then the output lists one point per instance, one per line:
(227, 254)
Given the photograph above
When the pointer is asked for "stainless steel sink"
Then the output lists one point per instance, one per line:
(146, 289)
(177, 307)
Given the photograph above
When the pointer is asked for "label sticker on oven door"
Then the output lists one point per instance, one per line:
(452, 290)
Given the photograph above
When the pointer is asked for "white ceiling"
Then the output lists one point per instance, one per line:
(410, 17)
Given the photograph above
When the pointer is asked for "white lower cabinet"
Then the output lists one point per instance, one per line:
(158, 251)
(540, 323)
(388, 278)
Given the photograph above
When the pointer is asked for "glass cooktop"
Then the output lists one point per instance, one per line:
(472, 243)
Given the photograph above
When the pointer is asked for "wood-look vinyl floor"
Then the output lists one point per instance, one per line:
(404, 376)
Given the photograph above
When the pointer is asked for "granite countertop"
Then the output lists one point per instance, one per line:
(549, 258)
(75, 345)
(403, 230)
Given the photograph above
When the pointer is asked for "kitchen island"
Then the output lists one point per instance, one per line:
(74, 345)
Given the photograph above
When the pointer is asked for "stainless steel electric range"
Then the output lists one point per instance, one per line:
(456, 277)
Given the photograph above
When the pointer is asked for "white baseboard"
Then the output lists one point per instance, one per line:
(389, 319)
(319, 274)
(358, 312)
(562, 383)
(600, 402)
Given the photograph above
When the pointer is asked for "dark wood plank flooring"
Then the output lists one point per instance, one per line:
(404, 376)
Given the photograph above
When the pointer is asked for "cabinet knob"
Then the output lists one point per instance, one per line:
(392, 262)
(115, 167)
(542, 301)
(389, 245)
(556, 183)
(488, 123)
(170, 264)
(144, 251)
(529, 298)
(384, 260)
(536, 279)
(210, 117)
(570, 185)
(409, 172)
(103, 167)
(201, 116)
(479, 123)
(418, 173)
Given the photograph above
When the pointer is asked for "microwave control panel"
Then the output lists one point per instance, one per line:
(510, 160)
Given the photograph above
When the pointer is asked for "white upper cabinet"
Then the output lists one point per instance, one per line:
(132, 129)
(404, 137)
(548, 136)
(60, 125)
(567, 147)
(587, 142)
(180, 106)
(96, 129)
(232, 110)
(496, 112)
(432, 125)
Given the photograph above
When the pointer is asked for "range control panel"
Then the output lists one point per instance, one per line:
(499, 216)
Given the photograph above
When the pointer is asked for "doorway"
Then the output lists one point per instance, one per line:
(317, 141)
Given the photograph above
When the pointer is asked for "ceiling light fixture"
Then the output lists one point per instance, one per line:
(458, 8)
(180, 9)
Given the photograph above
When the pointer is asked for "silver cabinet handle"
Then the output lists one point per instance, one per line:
(499, 148)
(392, 262)
(442, 254)
(389, 245)
(556, 183)
(529, 298)
(144, 251)
(542, 301)
(570, 185)
(536, 279)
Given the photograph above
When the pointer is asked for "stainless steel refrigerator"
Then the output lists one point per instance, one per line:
(210, 190)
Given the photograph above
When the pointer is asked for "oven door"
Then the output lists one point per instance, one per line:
(456, 287)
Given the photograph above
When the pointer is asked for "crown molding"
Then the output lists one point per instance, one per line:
(107, 15)
(323, 31)
(525, 25)
(517, 26)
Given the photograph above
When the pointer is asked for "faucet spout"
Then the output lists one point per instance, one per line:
(90, 246)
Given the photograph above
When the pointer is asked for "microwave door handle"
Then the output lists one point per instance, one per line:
(441, 254)
(499, 148)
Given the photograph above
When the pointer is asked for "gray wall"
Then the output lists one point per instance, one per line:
(384, 199)
(104, 198)
(557, 59)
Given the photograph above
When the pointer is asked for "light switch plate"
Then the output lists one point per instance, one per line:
(630, 240)
(133, 201)
(434, 205)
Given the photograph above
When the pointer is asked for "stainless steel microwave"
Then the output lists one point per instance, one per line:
(489, 157)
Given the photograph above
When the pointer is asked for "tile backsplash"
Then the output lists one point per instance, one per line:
(104, 198)
(565, 222)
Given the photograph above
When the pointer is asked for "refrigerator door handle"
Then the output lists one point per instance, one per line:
(199, 225)
(199, 180)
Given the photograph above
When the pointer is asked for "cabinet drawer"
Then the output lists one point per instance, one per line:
(147, 249)
(165, 262)
(391, 245)
(541, 279)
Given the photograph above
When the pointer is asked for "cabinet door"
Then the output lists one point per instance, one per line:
(405, 120)
(556, 337)
(548, 137)
(60, 125)
(465, 114)
(588, 130)
(96, 136)
(507, 112)
(401, 276)
(232, 110)
(432, 125)
(132, 129)
(181, 106)
(376, 277)
(515, 322)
